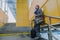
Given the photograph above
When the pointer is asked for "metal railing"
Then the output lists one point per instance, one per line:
(50, 36)
(52, 17)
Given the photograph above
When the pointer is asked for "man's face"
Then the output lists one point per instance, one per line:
(37, 7)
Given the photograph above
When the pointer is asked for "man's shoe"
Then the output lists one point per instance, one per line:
(39, 38)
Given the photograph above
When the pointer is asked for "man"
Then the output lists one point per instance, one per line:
(38, 20)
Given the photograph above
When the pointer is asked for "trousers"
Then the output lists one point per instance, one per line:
(37, 29)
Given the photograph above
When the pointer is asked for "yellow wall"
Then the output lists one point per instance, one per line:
(58, 5)
(52, 8)
(22, 15)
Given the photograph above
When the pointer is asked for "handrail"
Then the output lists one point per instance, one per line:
(49, 28)
(52, 16)
(54, 28)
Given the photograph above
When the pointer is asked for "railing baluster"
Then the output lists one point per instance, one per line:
(49, 29)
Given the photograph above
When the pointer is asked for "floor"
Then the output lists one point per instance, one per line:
(44, 34)
(56, 34)
(14, 38)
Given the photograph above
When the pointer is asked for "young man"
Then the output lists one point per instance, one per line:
(38, 20)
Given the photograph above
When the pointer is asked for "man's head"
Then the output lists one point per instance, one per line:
(37, 7)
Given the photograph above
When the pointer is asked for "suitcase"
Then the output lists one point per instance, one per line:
(33, 33)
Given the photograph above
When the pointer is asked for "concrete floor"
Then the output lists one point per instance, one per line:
(26, 37)
(14, 38)
(17, 38)
(13, 28)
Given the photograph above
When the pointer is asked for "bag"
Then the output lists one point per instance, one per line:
(39, 20)
(33, 33)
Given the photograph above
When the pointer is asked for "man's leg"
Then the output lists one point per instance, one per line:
(37, 29)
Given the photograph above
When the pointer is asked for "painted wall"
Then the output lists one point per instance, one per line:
(52, 8)
(22, 15)
(3, 18)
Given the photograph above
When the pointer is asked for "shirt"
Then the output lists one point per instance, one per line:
(38, 12)
(38, 16)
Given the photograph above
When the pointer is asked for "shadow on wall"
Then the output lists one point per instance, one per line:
(3, 18)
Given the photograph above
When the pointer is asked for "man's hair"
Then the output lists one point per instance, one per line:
(37, 5)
